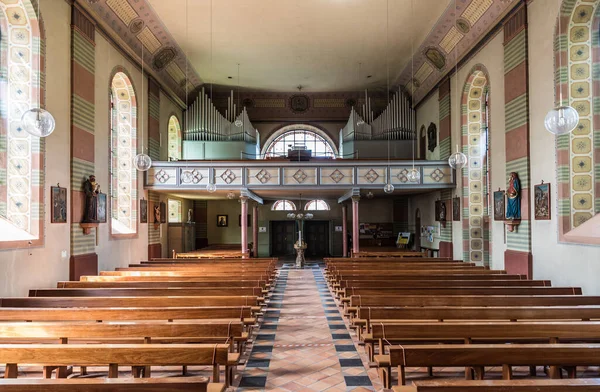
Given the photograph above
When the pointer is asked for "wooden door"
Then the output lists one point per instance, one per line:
(282, 238)
(316, 238)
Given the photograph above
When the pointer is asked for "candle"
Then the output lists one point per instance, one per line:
(299, 237)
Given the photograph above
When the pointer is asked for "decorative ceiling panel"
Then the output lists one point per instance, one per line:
(452, 37)
(136, 23)
(149, 40)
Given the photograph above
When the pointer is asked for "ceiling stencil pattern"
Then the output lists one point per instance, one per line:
(436, 55)
(137, 24)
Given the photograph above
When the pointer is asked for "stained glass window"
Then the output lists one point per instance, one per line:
(283, 205)
(317, 205)
(21, 154)
(123, 175)
(174, 211)
(174, 139)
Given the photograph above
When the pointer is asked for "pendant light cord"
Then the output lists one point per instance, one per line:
(387, 61)
(143, 97)
(560, 95)
(456, 68)
(412, 75)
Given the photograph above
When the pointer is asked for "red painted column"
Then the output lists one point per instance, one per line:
(355, 247)
(255, 231)
(244, 226)
(344, 230)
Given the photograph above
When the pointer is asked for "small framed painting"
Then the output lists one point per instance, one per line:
(441, 210)
(143, 211)
(499, 206)
(163, 212)
(101, 208)
(222, 221)
(456, 209)
(541, 194)
(248, 221)
(58, 197)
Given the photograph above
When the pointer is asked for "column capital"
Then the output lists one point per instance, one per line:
(244, 199)
(355, 199)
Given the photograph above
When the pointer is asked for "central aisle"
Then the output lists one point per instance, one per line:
(303, 343)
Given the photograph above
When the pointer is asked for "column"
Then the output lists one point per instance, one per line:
(344, 230)
(518, 258)
(244, 226)
(355, 247)
(255, 231)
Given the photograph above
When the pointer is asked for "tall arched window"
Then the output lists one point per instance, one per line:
(300, 136)
(283, 205)
(578, 153)
(174, 138)
(475, 175)
(123, 175)
(21, 155)
(316, 205)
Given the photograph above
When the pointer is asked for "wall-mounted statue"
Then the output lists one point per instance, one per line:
(91, 189)
(432, 137)
(513, 196)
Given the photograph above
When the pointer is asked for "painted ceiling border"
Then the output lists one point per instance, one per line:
(470, 44)
(169, 53)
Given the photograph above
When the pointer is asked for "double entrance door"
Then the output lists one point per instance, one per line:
(284, 234)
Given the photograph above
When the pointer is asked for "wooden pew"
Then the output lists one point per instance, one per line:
(457, 276)
(444, 292)
(473, 300)
(128, 302)
(149, 292)
(343, 285)
(386, 333)
(241, 313)
(161, 284)
(257, 260)
(196, 384)
(215, 355)
(581, 385)
(225, 332)
(215, 275)
(166, 278)
(478, 356)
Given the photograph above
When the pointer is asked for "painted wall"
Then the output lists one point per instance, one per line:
(167, 108)
(112, 252)
(565, 264)
(21, 270)
(41, 267)
(429, 112)
(551, 259)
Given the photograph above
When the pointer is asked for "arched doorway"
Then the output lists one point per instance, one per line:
(418, 230)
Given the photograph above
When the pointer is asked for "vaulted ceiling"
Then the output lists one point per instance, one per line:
(318, 44)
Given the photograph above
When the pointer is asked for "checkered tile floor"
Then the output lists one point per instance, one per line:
(303, 343)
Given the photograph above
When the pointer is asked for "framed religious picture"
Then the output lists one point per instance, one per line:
(441, 210)
(499, 205)
(58, 198)
(143, 211)
(248, 221)
(456, 209)
(163, 212)
(541, 193)
(222, 221)
(101, 207)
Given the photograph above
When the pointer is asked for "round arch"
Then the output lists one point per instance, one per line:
(298, 127)
(475, 174)
(174, 138)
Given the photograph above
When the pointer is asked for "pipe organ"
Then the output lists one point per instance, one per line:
(396, 122)
(203, 122)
